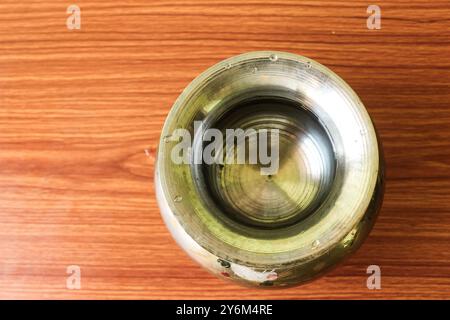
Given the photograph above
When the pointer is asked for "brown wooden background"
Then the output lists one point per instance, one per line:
(78, 109)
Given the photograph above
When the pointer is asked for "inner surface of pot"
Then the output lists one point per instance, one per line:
(303, 166)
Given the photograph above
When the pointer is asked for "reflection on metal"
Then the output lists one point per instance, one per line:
(286, 228)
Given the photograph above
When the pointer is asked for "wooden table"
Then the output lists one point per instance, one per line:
(81, 113)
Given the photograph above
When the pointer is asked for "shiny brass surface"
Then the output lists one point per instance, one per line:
(289, 227)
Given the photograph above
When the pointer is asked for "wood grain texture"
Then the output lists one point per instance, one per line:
(79, 108)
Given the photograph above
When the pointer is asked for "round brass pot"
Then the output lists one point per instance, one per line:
(275, 229)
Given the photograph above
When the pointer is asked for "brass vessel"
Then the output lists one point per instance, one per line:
(281, 229)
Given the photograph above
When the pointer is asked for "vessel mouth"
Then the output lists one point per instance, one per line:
(296, 180)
